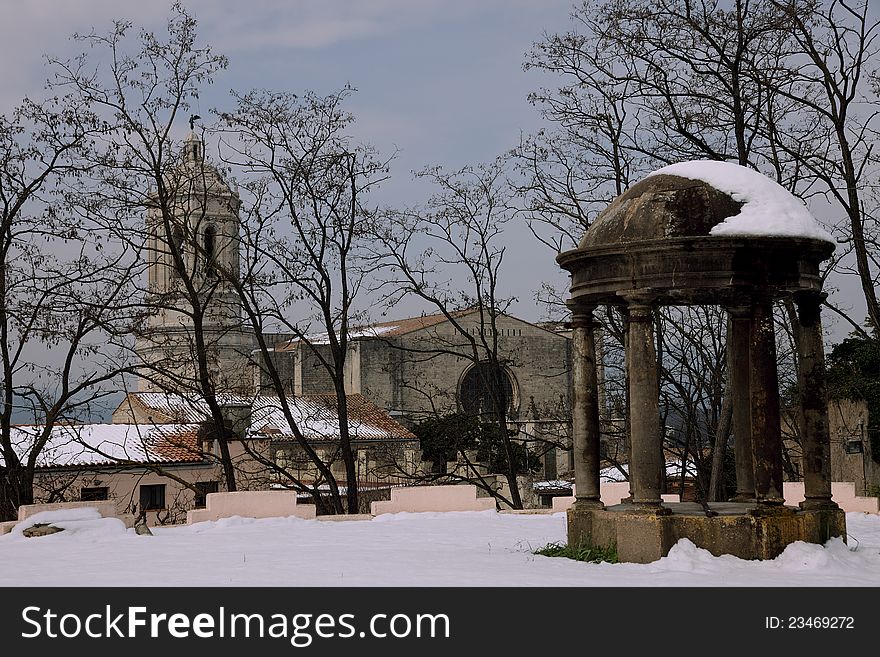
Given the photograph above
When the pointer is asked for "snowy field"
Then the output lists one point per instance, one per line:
(407, 549)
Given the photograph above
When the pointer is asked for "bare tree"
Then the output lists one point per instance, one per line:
(59, 287)
(152, 192)
(450, 254)
(305, 232)
(833, 84)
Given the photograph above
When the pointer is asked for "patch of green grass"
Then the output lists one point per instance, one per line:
(590, 553)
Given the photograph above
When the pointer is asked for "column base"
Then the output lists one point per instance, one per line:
(647, 508)
(819, 504)
(588, 503)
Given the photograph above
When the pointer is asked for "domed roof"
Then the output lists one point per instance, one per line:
(695, 233)
(201, 174)
(661, 207)
(702, 198)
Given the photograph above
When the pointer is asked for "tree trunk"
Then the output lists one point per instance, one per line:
(351, 482)
(722, 436)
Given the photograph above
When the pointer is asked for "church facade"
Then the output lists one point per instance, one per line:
(436, 364)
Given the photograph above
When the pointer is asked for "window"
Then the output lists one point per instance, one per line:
(550, 465)
(296, 461)
(210, 248)
(482, 387)
(152, 497)
(203, 488)
(854, 447)
(177, 246)
(93, 494)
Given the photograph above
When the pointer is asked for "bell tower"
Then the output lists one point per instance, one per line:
(193, 264)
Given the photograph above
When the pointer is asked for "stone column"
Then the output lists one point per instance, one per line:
(738, 359)
(585, 410)
(646, 458)
(813, 412)
(764, 383)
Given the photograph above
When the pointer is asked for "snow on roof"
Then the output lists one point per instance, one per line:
(353, 334)
(387, 329)
(317, 416)
(105, 444)
(620, 473)
(552, 484)
(169, 408)
(769, 209)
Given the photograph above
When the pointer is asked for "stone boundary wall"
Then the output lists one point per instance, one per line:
(414, 499)
(842, 492)
(251, 504)
(107, 509)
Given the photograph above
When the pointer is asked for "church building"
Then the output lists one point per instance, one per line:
(191, 301)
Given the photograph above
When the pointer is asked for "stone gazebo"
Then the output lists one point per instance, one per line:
(676, 239)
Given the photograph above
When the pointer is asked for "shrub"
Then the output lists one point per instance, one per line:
(589, 553)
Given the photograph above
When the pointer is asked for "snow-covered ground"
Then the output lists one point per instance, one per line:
(406, 549)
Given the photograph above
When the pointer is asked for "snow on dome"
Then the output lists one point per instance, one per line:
(769, 209)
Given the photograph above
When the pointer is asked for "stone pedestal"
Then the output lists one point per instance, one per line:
(742, 530)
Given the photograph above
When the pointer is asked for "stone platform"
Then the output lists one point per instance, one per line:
(741, 529)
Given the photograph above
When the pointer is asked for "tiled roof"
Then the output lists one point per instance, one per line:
(410, 324)
(317, 416)
(73, 445)
(387, 329)
(165, 408)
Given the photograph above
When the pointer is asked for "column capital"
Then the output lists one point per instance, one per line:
(639, 298)
(582, 317)
(809, 306)
(743, 311)
(640, 305)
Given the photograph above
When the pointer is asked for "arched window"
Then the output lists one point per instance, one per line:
(177, 246)
(484, 388)
(210, 247)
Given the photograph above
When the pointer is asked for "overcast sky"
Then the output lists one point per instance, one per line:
(440, 81)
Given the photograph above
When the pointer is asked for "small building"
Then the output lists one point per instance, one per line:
(269, 453)
(158, 458)
(852, 458)
(158, 469)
